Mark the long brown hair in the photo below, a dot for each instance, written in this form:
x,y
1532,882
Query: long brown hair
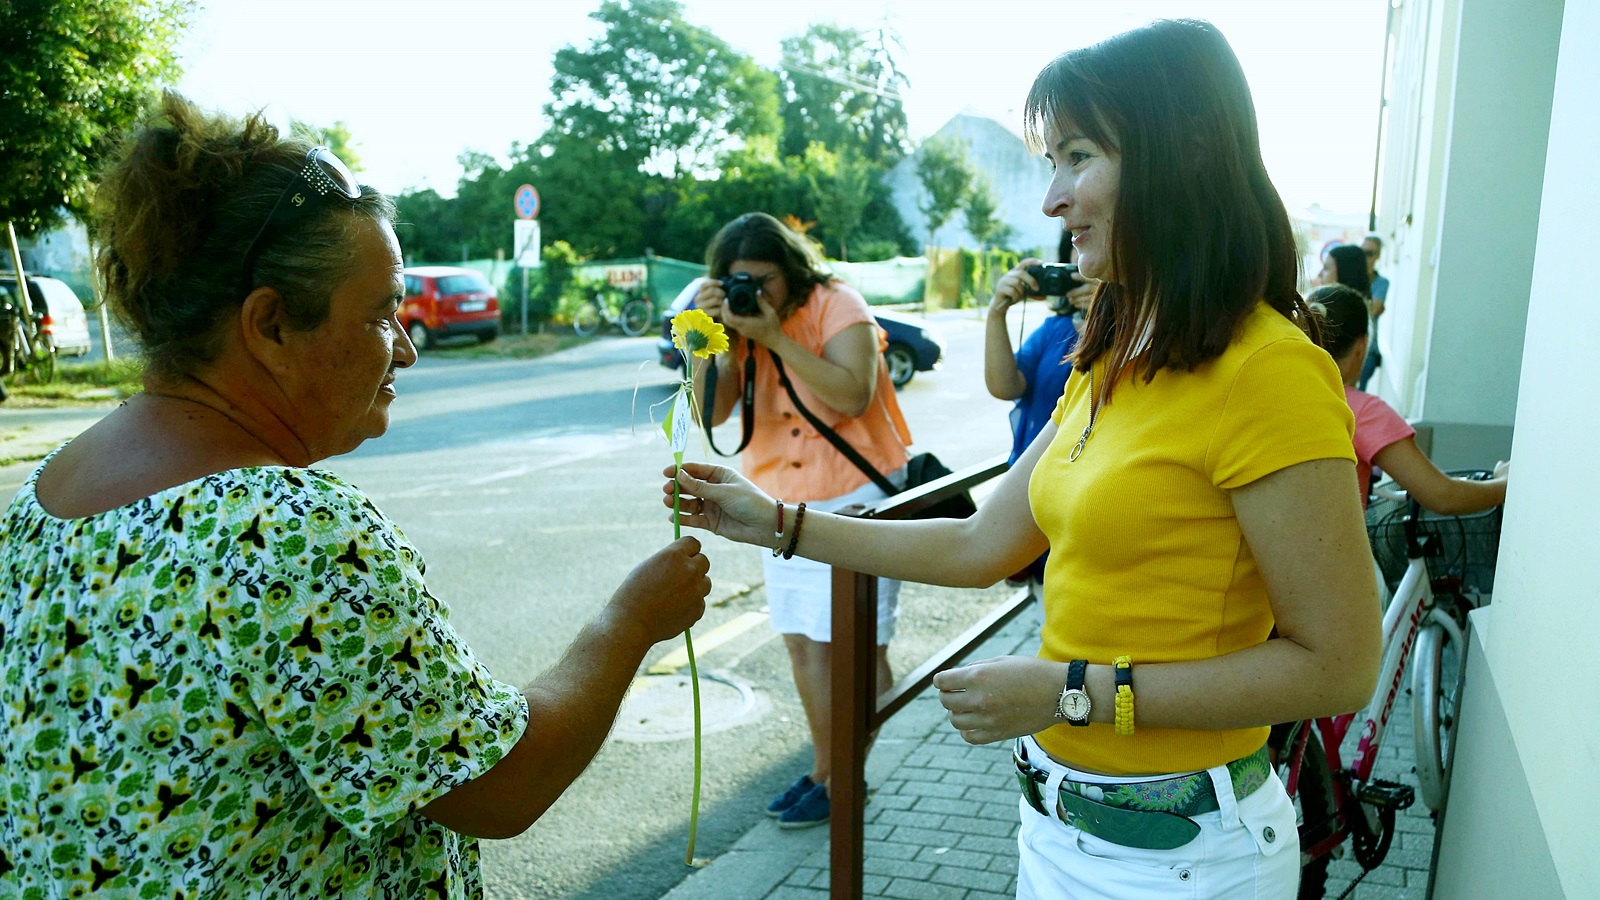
x,y
758,237
1350,264
1200,234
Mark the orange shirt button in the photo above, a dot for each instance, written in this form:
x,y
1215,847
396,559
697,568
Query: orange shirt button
x,y
795,432
788,415
795,464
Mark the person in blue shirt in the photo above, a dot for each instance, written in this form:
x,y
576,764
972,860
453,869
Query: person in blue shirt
x,y
1372,246
1035,375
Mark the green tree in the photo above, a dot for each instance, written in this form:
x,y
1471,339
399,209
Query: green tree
x,y
658,91
752,178
593,197
484,201
427,226
946,176
982,212
985,226
841,88
842,186
812,188
73,75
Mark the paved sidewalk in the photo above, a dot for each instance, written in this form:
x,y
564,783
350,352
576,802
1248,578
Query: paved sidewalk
x,y
942,819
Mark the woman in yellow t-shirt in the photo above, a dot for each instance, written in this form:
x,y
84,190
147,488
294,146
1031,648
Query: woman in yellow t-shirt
x,y
1209,572
785,310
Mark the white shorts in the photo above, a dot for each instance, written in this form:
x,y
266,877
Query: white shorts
x,y
800,591
1248,849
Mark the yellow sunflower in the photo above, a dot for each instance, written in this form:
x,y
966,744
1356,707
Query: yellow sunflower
x,y
695,332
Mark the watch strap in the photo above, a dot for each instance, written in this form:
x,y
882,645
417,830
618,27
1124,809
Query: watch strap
x,y
1076,671
1124,717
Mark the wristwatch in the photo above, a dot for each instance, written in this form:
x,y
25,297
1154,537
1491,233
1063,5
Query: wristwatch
x,y
1074,704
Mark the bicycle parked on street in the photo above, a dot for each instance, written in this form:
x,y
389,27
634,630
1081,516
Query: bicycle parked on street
x,y
1424,629
26,351
630,312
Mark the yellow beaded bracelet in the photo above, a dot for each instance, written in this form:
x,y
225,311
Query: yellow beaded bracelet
x,y
1124,667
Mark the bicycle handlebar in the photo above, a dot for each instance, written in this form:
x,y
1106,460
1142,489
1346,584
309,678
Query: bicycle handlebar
x,y
1415,543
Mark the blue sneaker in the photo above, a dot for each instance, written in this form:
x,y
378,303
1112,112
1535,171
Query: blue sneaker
x,y
791,796
811,809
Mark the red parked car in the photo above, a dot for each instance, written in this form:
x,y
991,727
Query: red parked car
x,y
443,301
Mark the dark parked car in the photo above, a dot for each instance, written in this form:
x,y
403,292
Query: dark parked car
x,y
913,346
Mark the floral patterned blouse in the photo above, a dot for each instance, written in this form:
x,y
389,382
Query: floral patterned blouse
x,y
237,687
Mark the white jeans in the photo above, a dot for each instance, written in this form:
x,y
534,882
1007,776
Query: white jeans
x,y
1246,849
800,591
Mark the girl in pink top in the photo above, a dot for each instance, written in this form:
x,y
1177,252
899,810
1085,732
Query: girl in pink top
x,y
1383,439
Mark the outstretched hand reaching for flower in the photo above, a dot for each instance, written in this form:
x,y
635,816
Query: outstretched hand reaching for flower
x,y
721,501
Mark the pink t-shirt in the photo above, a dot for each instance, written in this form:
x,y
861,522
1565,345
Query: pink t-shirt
x,y
1377,426
787,457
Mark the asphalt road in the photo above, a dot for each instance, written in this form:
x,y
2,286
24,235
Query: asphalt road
x,y
531,488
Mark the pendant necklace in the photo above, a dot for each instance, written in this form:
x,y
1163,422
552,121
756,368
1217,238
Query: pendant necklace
x,y
1094,410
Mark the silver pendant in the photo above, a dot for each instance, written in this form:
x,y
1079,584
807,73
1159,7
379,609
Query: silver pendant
x,y
1078,447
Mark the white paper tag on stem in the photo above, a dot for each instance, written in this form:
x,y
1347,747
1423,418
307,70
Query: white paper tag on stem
x,y
682,424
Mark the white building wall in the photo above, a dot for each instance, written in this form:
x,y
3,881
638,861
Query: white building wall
x,y
1424,44
1536,673
1489,214
1460,217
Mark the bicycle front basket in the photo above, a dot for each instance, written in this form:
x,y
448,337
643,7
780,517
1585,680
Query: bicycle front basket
x,y
1469,546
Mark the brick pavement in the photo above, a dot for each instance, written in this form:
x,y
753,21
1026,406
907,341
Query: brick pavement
x,y
942,820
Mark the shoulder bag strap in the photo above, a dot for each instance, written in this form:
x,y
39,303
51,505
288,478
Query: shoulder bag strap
x,y
747,402
833,437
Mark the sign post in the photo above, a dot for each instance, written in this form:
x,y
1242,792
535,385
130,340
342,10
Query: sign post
x,y
525,239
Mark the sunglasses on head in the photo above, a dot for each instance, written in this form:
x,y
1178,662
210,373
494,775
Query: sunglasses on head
x,y
323,175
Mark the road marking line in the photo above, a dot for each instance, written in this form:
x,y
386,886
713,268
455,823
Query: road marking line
x,y
512,472
708,642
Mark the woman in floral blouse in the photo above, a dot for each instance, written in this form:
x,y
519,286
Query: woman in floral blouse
x,y
224,674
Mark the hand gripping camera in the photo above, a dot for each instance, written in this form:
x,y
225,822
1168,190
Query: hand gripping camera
x,y
1055,279
741,291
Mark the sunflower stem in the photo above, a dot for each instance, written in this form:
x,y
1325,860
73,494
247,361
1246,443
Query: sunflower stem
x,y
694,684
694,804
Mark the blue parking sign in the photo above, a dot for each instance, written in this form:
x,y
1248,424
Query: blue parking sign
x,y
527,202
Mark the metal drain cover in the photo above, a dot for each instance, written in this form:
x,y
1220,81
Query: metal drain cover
x,y
661,707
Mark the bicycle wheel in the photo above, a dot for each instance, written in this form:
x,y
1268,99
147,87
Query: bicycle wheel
x,y
586,321
42,368
636,316
1314,806
1438,664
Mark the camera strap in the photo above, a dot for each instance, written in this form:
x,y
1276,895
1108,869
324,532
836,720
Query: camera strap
x,y
747,412
833,437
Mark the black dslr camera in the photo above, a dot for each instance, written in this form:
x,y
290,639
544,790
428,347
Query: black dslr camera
x,y
741,290
1055,279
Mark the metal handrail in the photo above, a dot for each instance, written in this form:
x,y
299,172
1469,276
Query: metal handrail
x,y
857,712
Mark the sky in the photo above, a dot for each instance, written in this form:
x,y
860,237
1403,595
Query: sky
x,y
419,81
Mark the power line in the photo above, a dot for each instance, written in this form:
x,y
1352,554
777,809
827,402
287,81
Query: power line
x,y
791,61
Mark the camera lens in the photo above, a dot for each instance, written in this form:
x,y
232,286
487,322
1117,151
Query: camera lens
x,y
741,292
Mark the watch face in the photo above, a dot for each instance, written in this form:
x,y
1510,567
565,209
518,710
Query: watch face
x,y
1075,704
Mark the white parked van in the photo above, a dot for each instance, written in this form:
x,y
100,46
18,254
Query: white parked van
x,y
65,320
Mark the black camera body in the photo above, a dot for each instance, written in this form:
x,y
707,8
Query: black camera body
x,y
1055,279
741,291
